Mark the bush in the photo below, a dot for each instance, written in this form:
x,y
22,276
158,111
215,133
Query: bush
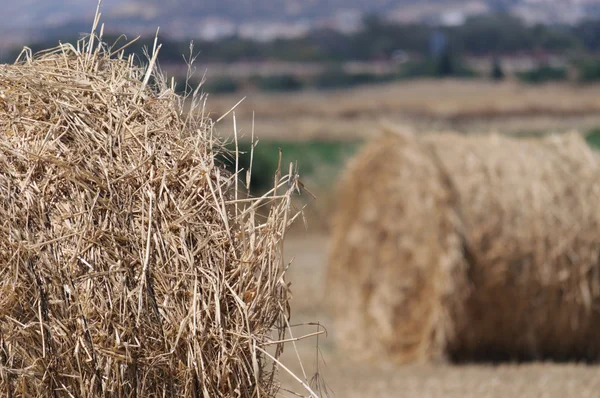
x,y
337,77
444,66
593,138
543,74
589,71
416,69
221,85
279,83
497,71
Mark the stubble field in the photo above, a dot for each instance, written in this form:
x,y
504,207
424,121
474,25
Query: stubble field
x,y
349,378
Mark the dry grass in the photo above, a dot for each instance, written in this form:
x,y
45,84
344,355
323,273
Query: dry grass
x,y
468,106
434,98
466,248
130,267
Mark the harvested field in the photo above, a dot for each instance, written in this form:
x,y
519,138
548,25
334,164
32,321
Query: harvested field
x,y
130,267
423,105
447,246
349,378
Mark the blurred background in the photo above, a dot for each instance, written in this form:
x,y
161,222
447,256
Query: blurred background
x,y
319,78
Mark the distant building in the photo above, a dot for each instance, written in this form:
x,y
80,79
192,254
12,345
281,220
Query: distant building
x,y
215,28
453,18
267,31
400,56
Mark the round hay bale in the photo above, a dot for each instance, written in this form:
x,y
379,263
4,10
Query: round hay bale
x,y
457,247
128,267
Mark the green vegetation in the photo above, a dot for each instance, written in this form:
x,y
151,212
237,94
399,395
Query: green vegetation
x,y
278,83
446,65
379,39
593,138
543,74
589,70
336,77
505,34
318,161
497,70
221,85
431,51
428,51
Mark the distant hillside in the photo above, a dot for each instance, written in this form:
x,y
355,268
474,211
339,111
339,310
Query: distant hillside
x,y
51,11
28,20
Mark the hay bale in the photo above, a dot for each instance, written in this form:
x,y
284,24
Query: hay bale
x,y
469,248
128,267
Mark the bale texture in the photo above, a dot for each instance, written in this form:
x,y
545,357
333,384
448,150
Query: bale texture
x,y
127,267
452,247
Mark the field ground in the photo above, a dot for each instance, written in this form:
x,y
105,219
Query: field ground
x,y
425,105
348,379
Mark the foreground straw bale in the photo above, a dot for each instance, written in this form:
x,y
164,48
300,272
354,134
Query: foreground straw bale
x,y
468,248
127,267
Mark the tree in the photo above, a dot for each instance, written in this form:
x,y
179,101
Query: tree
x,y
445,64
497,71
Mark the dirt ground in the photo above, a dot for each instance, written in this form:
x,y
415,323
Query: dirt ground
x,y
349,379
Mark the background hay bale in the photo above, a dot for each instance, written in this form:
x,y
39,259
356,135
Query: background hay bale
x,y
469,247
128,268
